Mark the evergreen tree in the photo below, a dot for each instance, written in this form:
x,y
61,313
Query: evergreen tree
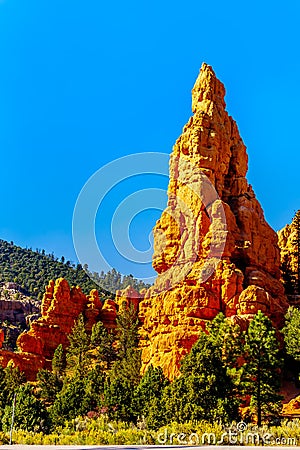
x,y
117,399
291,332
50,385
2,388
204,390
59,362
77,356
261,371
30,413
13,379
226,336
95,386
147,397
128,364
102,341
125,373
73,400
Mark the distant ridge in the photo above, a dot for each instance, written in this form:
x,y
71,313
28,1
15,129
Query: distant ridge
x,y
32,271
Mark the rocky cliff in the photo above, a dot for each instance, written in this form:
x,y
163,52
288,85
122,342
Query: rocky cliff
x,y
288,239
61,306
213,249
16,305
213,252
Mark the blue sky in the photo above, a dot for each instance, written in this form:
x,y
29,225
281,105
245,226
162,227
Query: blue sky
x,y
85,82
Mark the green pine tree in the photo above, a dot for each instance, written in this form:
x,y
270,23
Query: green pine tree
x,y
117,399
128,364
59,362
30,413
96,378
204,390
261,371
2,389
13,379
102,341
291,332
125,373
73,400
147,398
77,355
49,384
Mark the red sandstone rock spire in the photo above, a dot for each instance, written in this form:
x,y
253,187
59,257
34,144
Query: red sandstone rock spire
x,y
245,256
61,306
213,251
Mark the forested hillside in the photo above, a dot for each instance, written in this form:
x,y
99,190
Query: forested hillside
x,y
32,270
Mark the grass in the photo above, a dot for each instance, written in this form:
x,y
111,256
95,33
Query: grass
x,y
100,431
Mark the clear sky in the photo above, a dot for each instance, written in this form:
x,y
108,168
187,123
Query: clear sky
x,y
85,82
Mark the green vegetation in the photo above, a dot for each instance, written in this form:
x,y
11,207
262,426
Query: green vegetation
x,y
94,390
101,431
33,270
113,280
205,390
127,366
59,362
291,333
262,368
30,413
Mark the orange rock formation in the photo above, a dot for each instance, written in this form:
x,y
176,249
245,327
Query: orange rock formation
x,y
127,297
213,249
60,309
287,238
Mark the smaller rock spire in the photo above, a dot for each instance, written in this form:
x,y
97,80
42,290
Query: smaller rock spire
x,y
207,87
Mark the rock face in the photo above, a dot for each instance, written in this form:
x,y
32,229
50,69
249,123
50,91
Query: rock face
x,y
292,408
213,249
15,305
289,252
61,306
286,241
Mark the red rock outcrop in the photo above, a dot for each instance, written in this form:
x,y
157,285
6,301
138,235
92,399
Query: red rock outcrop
x,y
288,238
15,306
28,363
292,408
109,314
213,249
61,306
128,297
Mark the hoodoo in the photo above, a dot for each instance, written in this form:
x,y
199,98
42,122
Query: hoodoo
x,y
61,306
213,249
213,252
